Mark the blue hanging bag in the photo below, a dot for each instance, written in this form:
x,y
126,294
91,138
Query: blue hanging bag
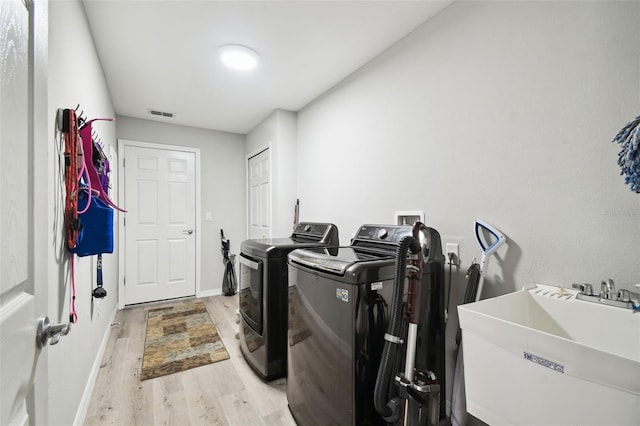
x,y
96,226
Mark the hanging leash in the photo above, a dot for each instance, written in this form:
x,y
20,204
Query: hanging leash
x,y
85,188
72,224
73,316
94,179
70,130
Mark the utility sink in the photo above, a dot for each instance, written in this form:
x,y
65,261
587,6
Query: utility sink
x,y
542,357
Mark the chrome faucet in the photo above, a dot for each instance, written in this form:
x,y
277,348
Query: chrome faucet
x,y
622,298
608,290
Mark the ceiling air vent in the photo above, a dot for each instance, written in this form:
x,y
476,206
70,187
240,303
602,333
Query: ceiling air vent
x,y
161,113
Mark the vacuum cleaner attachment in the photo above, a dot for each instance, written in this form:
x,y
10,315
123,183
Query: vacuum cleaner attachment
x,y
229,281
414,395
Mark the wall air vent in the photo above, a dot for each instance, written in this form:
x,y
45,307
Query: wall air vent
x,y
161,113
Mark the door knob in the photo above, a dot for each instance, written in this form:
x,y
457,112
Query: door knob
x,y
47,331
187,231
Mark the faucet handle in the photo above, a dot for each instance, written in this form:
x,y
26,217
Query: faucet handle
x,y
624,295
585,288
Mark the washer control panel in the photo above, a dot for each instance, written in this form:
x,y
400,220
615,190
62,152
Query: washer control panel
x,y
384,234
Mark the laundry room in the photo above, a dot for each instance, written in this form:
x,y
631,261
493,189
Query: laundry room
x,y
498,113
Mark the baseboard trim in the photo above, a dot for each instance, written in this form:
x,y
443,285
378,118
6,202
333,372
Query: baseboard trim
x,y
207,293
93,375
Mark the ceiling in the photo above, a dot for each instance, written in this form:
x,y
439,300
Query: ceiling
x,y
161,54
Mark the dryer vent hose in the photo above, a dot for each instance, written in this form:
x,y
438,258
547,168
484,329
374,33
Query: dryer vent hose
x,y
386,398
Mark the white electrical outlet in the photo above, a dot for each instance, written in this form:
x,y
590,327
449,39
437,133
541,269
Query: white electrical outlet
x,y
454,249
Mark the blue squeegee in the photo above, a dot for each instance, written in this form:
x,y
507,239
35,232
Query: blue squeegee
x,y
629,156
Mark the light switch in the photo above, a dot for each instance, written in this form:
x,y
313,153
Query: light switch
x,y
208,216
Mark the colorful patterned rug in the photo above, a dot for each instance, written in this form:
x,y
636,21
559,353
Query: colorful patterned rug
x,y
178,338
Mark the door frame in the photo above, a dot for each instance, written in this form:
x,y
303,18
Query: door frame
x,y
122,143
250,155
42,214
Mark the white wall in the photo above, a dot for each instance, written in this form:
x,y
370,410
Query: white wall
x,y
503,111
75,77
278,132
222,158
285,173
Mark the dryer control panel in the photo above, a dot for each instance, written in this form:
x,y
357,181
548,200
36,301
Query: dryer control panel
x,y
325,233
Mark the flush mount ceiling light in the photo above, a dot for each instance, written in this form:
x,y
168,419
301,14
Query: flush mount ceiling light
x,y
238,57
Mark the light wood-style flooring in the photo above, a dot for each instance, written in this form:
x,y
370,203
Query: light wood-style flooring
x,y
224,393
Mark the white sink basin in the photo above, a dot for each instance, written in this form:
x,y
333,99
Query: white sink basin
x,y
542,357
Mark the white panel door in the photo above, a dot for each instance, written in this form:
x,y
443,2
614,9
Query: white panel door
x,y
23,263
259,195
160,243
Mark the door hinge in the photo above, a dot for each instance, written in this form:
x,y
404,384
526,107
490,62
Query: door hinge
x,y
124,280
123,162
124,221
